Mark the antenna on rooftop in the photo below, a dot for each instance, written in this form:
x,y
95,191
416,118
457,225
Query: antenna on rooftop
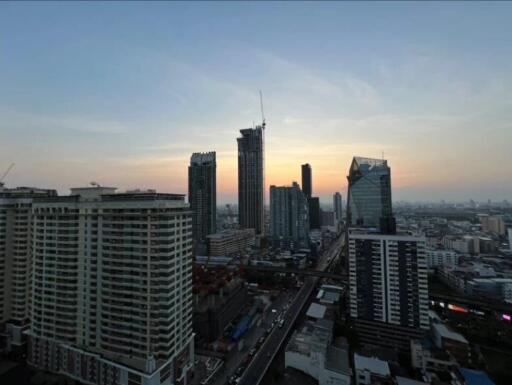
x,y
262,112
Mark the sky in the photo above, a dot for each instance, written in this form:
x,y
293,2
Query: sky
x,y
122,93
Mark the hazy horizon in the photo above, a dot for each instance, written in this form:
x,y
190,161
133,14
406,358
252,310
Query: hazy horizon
x,y
124,93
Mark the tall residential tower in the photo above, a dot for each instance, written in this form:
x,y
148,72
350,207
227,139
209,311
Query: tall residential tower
x,y
251,214
112,287
15,263
202,194
388,287
289,215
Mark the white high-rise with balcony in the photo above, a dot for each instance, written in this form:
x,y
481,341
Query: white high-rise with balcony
x,y
112,287
15,230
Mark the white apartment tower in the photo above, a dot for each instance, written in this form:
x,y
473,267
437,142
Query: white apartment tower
x,y
112,287
15,232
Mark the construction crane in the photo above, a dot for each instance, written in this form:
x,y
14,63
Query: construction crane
x,y
262,112
5,174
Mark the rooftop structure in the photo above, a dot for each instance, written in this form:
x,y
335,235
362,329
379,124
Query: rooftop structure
x,y
311,351
367,369
316,310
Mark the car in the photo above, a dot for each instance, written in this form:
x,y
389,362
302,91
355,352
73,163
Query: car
x,y
252,352
240,370
261,340
281,323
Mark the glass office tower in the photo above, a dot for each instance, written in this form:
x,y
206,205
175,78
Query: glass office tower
x,y
369,194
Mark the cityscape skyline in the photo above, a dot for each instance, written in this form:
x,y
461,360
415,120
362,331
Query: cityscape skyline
x,y
125,103
153,230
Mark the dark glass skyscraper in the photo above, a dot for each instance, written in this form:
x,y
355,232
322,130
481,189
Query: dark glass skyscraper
x,y
250,179
202,194
369,194
306,180
314,213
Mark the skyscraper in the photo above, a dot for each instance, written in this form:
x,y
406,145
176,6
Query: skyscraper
x,y
369,194
202,194
112,286
315,217
251,178
306,180
313,202
15,261
337,207
289,218
388,287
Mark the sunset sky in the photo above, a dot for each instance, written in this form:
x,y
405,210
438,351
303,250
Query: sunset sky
x,y
123,93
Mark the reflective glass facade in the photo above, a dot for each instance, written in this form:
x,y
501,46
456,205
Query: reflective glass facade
x,y
369,195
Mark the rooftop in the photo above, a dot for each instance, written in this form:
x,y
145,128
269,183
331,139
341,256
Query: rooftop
x,y
316,310
337,360
475,377
372,364
408,381
200,158
447,333
314,336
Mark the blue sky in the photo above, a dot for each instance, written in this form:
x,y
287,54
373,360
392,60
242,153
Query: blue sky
x,y
123,93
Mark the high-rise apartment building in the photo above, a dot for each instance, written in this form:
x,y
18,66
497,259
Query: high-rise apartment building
x,y
202,194
315,216
251,214
289,215
112,286
306,180
369,194
337,207
388,286
15,262
492,223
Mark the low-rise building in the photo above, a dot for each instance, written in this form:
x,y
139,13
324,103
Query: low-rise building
x,y
441,257
230,242
370,370
311,351
500,288
426,357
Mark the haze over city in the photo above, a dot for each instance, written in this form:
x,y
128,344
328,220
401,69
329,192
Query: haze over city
x,y
122,94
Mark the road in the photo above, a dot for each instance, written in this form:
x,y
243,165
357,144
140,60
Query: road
x,y
236,357
261,362
278,269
